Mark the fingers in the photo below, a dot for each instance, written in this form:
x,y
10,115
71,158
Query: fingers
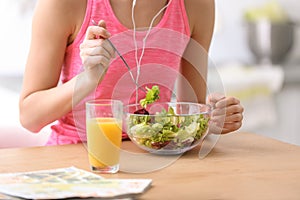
x,y
214,98
94,32
230,127
95,49
93,54
222,127
91,47
238,117
102,24
226,102
227,114
231,109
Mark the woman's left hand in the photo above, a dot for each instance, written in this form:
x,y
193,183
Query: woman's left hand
x,y
227,114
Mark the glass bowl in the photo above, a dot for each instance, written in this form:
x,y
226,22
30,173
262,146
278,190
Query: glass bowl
x,y
168,128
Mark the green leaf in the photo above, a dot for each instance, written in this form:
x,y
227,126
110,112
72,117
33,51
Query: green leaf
x,y
151,96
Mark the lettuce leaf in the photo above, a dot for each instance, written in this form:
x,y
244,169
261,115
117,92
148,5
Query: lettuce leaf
x,y
151,96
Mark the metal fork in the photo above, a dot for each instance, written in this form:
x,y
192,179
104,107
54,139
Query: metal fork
x,y
124,61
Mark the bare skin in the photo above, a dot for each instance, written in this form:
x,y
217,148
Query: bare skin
x,y
55,26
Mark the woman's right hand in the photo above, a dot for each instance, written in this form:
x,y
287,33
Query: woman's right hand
x,y
96,52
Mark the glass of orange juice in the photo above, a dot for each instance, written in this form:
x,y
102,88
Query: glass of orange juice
x,y
104,134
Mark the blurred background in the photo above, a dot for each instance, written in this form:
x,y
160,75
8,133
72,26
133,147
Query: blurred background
x,y
255,55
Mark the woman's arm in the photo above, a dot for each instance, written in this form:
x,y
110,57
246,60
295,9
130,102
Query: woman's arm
x,y
55,25
192,85
41,102
227,115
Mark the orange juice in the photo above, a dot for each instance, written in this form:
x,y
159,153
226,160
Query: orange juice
x,y
104,136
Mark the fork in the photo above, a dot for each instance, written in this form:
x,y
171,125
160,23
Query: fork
x,y
124,61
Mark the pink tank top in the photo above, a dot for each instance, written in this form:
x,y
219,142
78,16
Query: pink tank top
x,y
164,48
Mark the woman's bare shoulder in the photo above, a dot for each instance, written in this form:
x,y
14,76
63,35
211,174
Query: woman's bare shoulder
x,y
62,14
199,4
198,9
201,14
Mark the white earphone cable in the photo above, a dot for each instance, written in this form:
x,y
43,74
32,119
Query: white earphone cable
x,y
139,60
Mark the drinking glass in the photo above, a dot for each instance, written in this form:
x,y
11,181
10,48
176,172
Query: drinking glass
x,y
104,134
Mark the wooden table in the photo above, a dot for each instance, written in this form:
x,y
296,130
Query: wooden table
x,y
241,166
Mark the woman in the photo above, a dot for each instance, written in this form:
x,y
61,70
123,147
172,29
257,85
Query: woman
x,y
70,57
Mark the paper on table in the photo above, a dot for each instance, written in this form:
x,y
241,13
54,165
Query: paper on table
x,y
68,183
